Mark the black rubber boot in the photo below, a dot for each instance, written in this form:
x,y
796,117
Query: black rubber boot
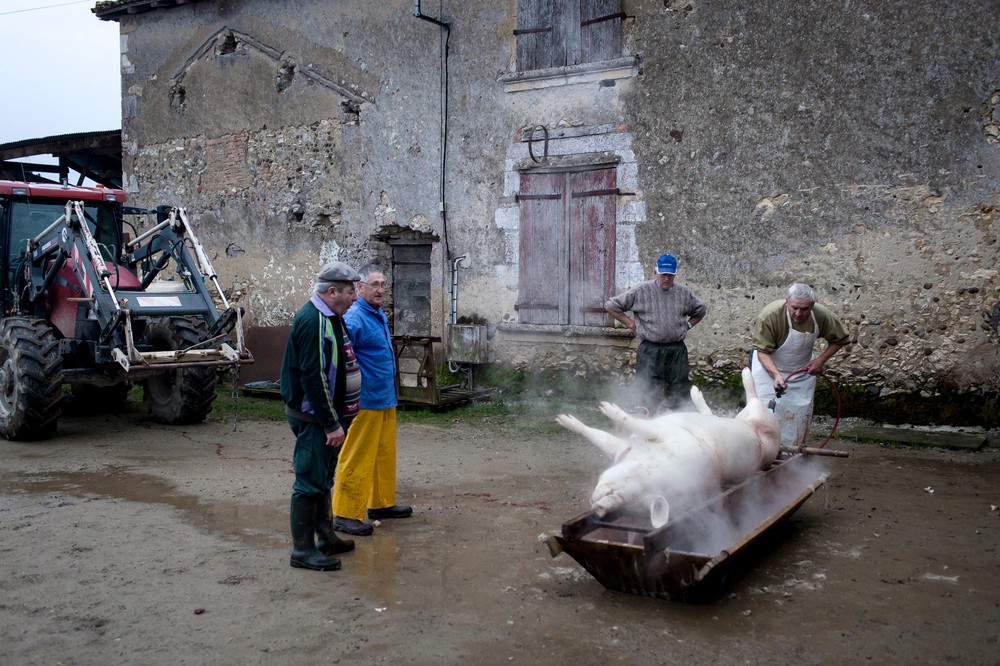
x,y
327,541
304,552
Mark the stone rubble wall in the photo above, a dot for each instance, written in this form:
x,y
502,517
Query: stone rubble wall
x,y
264,205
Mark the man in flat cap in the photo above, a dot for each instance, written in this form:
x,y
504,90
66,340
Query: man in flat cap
x,y
321,387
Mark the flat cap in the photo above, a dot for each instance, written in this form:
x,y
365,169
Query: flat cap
x,y
337,271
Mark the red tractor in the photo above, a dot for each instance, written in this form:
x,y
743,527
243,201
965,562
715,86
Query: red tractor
x,y
89,303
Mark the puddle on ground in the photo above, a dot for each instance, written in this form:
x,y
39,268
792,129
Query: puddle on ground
x,y
374,566
247,524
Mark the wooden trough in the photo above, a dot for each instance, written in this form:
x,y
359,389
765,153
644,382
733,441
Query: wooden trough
x,y
690,557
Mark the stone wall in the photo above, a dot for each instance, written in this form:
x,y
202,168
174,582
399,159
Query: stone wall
x,y
845,146
853,146
263,202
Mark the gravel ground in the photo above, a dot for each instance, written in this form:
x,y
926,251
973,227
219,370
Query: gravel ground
x,y
124,542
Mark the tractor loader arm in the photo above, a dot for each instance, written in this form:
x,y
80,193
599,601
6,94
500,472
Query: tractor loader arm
x,y
69,241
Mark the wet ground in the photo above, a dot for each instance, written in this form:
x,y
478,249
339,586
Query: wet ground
x,y
125,542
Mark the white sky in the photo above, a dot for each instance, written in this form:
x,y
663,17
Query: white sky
x,y
60,69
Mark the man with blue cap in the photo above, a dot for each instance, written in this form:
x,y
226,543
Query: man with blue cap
x,y
662,314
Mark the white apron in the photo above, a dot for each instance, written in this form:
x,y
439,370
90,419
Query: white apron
x,y
794,408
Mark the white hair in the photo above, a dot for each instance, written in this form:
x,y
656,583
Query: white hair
x,y
800,290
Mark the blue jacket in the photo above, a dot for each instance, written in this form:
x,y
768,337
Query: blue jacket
x,y
368,329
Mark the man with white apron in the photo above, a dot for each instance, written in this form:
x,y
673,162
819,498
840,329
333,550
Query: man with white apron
x,y
783,339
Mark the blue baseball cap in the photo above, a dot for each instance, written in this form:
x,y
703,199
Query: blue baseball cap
x,y
666,264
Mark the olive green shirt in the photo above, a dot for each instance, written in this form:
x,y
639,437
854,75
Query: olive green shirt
x,y
771,327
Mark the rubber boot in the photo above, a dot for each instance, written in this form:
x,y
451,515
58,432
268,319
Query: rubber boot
x,y
327,540
304,552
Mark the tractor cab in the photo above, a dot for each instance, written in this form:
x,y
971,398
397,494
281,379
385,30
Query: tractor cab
x,y
28,209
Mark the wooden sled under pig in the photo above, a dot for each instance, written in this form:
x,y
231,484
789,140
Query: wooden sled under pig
x,y
692,556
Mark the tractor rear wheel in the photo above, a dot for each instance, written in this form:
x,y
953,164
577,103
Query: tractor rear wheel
x,y
184,395
30,379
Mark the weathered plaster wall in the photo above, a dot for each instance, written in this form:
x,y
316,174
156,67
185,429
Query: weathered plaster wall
x,y
842,144
851,145
292,133
257,201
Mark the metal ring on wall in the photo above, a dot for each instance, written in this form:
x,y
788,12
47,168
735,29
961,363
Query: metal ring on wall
x,y
531,141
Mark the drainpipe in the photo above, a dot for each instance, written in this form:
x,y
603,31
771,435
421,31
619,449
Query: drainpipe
x,y
464,262
444,120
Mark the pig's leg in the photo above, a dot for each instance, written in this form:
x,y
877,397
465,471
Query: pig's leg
x,y
699,401
613,447
764,424
614,412
641,427
755,406
749,386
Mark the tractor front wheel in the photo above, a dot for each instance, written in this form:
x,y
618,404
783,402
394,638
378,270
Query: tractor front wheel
x,y
30,379
184,395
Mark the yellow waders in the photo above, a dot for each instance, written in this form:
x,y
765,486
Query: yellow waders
x,y
366,470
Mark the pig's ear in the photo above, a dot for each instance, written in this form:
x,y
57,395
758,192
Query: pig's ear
x,y
659,511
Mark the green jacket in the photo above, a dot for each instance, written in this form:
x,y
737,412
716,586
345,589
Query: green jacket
x,y
314,346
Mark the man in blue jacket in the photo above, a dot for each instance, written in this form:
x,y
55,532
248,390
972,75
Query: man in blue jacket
x,y
366,471
320,384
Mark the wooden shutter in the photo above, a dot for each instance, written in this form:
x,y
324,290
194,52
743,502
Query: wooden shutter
x,y
411,289
556,33
540,42
593,204
542,276
600,30
567,247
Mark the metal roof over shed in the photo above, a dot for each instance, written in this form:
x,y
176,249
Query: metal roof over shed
x,y
94,155
115,9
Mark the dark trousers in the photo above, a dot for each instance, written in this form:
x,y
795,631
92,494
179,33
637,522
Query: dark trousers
x,y
313,461
663,368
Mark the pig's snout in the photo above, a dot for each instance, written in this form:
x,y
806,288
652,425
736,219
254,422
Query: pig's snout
x,y
604,500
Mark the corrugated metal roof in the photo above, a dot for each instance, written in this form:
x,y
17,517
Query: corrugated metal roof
x,y
93,155
57,138
112,10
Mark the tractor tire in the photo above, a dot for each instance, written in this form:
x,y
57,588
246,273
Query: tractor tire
x,y
184,395
30,379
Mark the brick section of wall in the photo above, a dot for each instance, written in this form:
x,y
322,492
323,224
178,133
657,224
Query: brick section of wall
x,y
225,165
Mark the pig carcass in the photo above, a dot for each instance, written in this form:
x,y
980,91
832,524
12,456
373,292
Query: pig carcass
x,y
679,458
